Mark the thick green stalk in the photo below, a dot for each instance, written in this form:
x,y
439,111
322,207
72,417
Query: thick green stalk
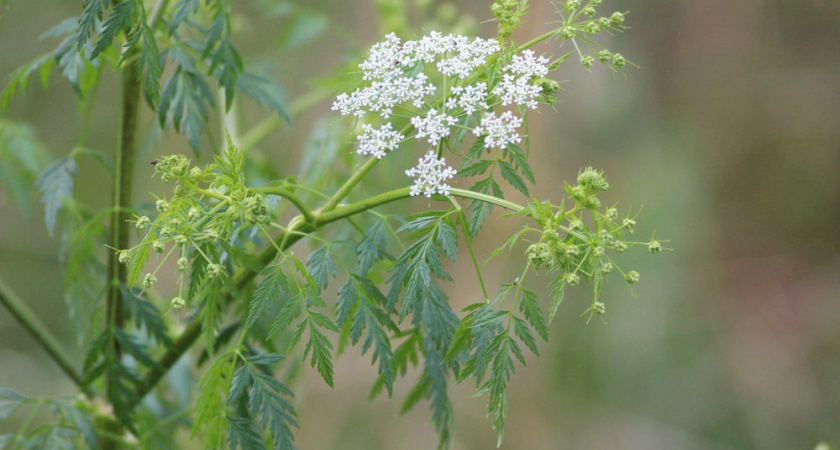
x,y
41,333
292,198
295,232
121,200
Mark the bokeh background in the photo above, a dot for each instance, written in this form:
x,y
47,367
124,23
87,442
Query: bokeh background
x,y
728,134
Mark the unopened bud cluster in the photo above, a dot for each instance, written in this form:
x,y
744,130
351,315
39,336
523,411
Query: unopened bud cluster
x,y
579,244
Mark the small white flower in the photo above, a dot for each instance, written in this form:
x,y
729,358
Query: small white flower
x,y
430,176
500,130
377,141
384,60
470,98
435,126
527,65
468,55
518,90
382,96
516,86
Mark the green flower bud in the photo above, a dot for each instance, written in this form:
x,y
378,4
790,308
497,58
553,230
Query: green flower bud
x,y
214,270
589,11
619,61
612,214
617,19
604,56
255,209
142,222
606,238
607,267
578,193
193,214
596,2
598,308
572,250
620,246
183,263
572,279
592,180
587,61
568,33
632,277
149,281
124,257
592,202
162,206
572,5
654,246
181,240
592,28
159,246
195,175
598,251
576,225
172,168
629,224
604,22
179,303
539,254
548,89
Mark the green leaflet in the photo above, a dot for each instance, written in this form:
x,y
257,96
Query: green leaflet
x,y
55,184
22,158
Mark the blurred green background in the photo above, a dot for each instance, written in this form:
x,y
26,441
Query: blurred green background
x,y
728,134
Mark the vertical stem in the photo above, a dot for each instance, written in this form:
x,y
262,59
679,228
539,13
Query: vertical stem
x,y
121,196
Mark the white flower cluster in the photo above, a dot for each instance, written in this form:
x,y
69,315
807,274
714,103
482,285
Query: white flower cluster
x,y
435,126
383,96
393,81
430,176
389,59
376,141
516,86
469,98
500,130
468,55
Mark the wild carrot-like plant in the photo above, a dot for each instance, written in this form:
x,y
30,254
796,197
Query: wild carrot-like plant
x,y
246,298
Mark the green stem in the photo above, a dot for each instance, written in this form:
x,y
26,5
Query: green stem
x,y
292,198
41,333
348,186
123,171
468,239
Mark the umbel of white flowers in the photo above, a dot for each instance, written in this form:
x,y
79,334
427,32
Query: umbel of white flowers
x,y
392,81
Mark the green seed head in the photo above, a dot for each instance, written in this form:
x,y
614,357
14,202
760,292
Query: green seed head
x,y
172,167
179,303
655,246
149,281
632,277
539,254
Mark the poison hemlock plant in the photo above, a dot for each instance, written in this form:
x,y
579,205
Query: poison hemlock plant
x,y
458,105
